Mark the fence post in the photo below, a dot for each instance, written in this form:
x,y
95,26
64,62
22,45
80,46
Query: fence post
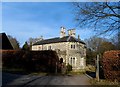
x,y
97,70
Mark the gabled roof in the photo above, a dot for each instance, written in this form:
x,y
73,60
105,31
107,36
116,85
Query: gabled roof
x,y
58,39
4,42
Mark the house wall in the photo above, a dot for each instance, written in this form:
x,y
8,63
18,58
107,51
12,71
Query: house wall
x,y
60,48
74,56
77,55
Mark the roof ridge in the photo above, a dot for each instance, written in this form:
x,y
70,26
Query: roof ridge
x,y
57,39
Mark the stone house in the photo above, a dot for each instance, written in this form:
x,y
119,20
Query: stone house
x,y
69,49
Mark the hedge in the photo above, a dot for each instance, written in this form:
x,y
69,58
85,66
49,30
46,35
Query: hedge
x,y
30,60
111,65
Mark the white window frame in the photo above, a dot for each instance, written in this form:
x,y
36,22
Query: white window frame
x,y
72,61
49,47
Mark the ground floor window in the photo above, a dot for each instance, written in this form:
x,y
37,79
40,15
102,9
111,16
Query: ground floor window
x,y
49,47
72,61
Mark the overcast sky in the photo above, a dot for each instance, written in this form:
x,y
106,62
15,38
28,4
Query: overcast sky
x,y
23,20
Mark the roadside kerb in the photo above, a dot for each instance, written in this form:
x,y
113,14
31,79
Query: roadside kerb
x,y
89,76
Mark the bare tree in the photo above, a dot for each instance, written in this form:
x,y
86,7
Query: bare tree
x,y
103,17
99,45
31,40
14,42
116,41
34,40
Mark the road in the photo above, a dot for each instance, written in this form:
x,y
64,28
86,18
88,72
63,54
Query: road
x,y
51,80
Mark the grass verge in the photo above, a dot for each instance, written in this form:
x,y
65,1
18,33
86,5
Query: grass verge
x,y
104,82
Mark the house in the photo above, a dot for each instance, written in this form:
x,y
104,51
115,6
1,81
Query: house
x,y
70,50
4,42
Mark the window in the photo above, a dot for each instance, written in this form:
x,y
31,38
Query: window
x,y
49,47
72,61
72,46
39,48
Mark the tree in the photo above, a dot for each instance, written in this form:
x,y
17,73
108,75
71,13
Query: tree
x,y
31,41
14,42
97,45
103,17
90,57
106,46
26,46
116,41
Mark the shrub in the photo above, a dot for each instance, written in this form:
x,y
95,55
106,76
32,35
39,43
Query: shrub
x,y
69,67
111,65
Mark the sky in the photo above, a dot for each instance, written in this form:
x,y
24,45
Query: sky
x,y
23,20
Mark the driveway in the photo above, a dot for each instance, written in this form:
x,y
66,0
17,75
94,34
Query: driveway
x,y
28,80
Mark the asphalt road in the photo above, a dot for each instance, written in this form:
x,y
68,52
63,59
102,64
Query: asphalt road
x,y
50,80
61,80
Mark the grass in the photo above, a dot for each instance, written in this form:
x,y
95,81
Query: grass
x,y
104,82
75,73
90,68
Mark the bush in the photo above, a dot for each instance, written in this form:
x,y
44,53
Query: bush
x,y
69,67
111,65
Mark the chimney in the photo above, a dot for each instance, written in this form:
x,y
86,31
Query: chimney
x,y
62,32
41,37
71,32
78,37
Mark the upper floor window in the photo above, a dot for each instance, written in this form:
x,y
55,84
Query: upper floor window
x,y
72,46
